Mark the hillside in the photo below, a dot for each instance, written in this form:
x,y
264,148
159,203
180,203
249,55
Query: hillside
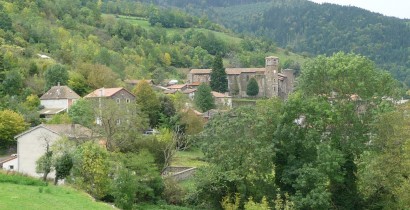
x,y
19,192
312,29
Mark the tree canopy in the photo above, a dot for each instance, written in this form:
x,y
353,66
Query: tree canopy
x,y
203,98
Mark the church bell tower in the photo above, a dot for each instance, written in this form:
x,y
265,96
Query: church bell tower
x,y
271,76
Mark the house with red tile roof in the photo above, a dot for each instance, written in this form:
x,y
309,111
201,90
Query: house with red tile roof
x,y
120,95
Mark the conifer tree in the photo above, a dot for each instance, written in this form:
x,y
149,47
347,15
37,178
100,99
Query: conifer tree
x,y
219,81
253,88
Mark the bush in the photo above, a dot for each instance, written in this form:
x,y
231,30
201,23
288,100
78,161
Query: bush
x,y
173,192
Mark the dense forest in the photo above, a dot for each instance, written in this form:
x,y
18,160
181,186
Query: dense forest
x,y
313,29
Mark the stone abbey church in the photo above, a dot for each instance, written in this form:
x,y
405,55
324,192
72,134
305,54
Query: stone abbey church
x,y
272,83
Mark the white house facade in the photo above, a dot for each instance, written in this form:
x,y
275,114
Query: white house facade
x,y
32,144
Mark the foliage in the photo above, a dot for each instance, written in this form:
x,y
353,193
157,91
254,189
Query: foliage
x,y
239,158
252,89
61,118
56,74
203,98
329,127
121,124
251,205
124,189
383,171
44,164
91,169
149,182
62,166
13,83
81,112
148,101
173,193
219,80
11,124
345,75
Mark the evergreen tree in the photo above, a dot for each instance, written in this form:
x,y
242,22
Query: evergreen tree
x,y
203,98
219,81
253,88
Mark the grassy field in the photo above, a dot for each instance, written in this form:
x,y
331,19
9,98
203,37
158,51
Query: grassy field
x,y
193,158
15,196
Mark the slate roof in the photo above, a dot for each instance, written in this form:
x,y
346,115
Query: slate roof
x,y
59,92
68,130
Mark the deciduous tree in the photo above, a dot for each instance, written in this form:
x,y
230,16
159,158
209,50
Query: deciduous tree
x,y
148,101
11,124
203,98
56,74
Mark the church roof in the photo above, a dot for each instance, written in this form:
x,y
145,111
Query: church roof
x,y
231,71
200,71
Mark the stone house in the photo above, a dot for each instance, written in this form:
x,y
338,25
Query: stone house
x,y
56,100
222,99
271,81
33,143
120,95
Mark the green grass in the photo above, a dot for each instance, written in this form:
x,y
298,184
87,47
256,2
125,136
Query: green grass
x,y
192,158
20,179
15,196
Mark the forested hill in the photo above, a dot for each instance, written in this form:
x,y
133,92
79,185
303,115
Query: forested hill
x,y
313,29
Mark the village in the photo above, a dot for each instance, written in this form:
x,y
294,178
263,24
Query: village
x,y
37,141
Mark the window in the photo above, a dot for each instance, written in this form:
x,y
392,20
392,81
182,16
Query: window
x,y
128,100
118,100
11,167
118,121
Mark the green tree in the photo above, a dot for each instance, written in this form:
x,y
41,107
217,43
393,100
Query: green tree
x,y
203,98
219,80
383,171
253,88
56,74
120,124
329,125
82,112
44,164
13,83
148,101
238,146
91,168
11,124
62,166
125,186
